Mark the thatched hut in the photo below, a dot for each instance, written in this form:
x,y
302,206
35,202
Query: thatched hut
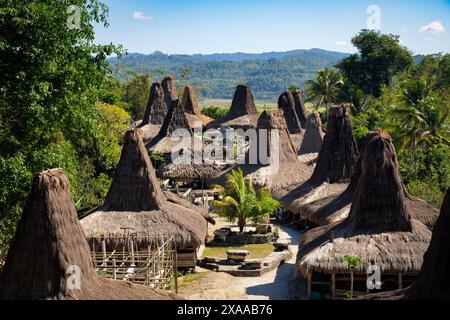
x,y
190,106
242,114
335,164
300,109
136,202
282,167
287,104
170,90
379,230
49,246
336,207
313,137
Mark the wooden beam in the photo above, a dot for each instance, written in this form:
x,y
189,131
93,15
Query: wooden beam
x,y
400,280
333,285
309,284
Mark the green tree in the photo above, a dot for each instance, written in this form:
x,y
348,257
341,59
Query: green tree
x,y
324,89
353,262
241,202
380,58
214,112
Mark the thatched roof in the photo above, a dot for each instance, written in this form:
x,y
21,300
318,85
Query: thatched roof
x,y
338,155
242,114
190,105
287,104
156,107
300,109
170,90
175,119
336,207
313,137
48,241
379,228
189,172
433,282
282,168
136,202
335,164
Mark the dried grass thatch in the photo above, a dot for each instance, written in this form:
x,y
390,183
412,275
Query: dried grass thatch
x,y
313,137
336,207
170,90
282,168
189,172
287,104
135,202
49,243
300,109
190,106
379,228
242,114
433,282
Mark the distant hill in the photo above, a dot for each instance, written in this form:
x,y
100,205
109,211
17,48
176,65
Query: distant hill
x,y
216,75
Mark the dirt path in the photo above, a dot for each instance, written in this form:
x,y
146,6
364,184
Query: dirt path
x,y
278,284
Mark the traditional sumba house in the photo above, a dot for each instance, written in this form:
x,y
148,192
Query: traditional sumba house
x,y
136,204
191,108
335,164
300,109
281,168
242,114
336,207
379,231
170,90
313,137
154,113
49,257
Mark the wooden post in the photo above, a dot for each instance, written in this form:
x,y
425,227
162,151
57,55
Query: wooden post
x,y
351,283
104,252
114,269
400,280
309,284
333,285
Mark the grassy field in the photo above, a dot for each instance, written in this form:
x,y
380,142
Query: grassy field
x,y
256,250
261,104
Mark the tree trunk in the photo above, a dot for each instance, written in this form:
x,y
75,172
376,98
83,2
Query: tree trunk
x,y
241,224
351,283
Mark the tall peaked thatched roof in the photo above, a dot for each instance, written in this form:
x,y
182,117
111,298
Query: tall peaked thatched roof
x,y
282,168
336,207
170,90
192,109
339,152
300,109
175,119
379,228
243,112
136,202
433,282
313,138
156,107
287,104
49,246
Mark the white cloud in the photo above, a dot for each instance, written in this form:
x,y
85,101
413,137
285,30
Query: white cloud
x,y
433,27
341,43
140,16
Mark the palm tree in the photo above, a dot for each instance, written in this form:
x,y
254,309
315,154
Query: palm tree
x,y
241,202
325,88
420,114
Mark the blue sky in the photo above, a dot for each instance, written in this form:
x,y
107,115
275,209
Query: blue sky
x,y
201,26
